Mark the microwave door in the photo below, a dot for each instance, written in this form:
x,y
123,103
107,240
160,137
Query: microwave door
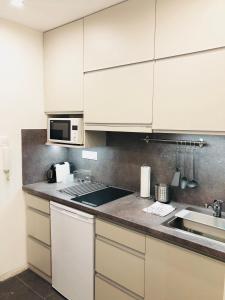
x,y
60,130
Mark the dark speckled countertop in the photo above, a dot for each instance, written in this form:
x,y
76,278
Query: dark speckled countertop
x,y
127,211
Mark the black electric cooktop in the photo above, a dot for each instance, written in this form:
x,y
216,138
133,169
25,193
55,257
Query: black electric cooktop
x,y
102,196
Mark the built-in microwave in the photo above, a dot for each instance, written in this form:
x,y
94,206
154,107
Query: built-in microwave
x,y
66,130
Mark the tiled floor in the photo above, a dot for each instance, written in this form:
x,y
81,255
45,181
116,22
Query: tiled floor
x,y
27,286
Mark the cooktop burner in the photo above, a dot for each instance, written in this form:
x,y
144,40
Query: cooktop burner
x,y
102,196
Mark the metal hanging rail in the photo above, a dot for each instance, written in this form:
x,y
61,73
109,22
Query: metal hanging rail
x,y
200,143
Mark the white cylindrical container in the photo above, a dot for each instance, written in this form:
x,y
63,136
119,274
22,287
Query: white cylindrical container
x,y
145,184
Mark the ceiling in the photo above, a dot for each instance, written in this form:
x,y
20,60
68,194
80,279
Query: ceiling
x,y
47,14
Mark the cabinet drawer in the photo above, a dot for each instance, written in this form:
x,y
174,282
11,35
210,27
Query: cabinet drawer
x,y
39,256
104,290
121,235
120,266
37,203
38,226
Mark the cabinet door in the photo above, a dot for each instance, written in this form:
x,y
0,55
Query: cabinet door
x,y
175,273
188,26
63,57
119,95
190,93
119,35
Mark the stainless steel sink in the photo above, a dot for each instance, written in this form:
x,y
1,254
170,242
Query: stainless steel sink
x,y
195,221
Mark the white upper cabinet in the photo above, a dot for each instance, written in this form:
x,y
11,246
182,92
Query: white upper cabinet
x,y
63,59
119,35
190,92
185,26
120,96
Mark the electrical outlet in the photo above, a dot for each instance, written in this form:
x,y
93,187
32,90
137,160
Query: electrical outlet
x,y
90,155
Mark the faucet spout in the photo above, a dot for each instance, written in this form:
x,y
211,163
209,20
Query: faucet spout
x,y
217,208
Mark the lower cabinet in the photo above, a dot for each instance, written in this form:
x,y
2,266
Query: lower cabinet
x,y
174,273
132,266
38,236
120,268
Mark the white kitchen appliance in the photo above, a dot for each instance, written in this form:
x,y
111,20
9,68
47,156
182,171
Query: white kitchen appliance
x,y
72,234
66,130
62,171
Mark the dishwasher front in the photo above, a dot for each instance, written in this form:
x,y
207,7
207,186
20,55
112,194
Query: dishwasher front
x,y
72,236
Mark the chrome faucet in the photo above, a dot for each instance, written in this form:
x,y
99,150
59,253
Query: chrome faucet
x,y
217,207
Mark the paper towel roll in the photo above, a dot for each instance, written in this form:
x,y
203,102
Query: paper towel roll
x,y
145,181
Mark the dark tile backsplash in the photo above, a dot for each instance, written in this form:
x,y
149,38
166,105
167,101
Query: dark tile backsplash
x,y
37,157
119,163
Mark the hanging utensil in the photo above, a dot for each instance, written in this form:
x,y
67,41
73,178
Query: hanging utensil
x,y
193,182
176,177
184,180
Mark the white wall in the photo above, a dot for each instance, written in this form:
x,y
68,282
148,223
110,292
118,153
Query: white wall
x,y
21,106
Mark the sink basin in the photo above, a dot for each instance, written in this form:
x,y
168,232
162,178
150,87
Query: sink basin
x,y
194,221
